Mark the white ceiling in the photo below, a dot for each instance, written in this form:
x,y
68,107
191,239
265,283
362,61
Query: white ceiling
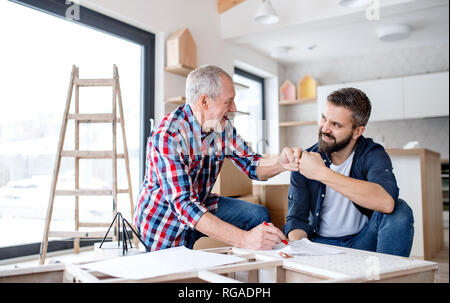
x,y
345,33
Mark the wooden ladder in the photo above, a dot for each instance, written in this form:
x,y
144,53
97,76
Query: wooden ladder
x,y
77,154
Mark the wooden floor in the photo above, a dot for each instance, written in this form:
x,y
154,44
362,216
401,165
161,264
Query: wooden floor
x,y
442,260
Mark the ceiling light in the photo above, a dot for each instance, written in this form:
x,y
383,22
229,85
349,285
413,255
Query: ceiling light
x,y
354,3
266,14
394,32
280,51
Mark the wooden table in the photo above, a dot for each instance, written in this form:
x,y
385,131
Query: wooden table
x,y
260,267
418,174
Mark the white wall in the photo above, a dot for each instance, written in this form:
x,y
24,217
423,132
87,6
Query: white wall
x,y
163,18
404,62
432,134
411,61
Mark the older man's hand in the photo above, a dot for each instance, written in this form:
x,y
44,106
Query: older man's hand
x,y
289,158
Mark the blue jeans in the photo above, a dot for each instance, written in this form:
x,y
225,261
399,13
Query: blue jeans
x,y
384,233
242,214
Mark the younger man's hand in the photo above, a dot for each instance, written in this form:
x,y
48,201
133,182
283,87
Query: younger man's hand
x,y
289,158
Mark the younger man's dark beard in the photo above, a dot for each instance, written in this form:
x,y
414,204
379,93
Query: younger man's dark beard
x,y
329,148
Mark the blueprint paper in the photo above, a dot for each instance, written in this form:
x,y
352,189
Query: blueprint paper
x,y
162,262
307,248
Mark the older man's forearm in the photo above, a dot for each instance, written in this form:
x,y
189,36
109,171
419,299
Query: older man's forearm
x,y
218,229
268,167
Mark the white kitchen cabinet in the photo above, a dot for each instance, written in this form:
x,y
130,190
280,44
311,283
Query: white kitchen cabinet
x,y
426,95
386,97
399,98
322,94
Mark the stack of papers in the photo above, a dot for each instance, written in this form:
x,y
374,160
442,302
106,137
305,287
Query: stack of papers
x,y
304,247
162,262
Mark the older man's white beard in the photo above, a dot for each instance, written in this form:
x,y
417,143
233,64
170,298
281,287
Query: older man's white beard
x,y
219,125
215,125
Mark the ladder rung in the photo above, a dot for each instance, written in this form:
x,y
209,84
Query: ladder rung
x,y
98,228
93,224
89,192
93,118
95,82
78,234
89,154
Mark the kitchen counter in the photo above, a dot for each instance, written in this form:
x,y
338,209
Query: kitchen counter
x,y
418,174
414,151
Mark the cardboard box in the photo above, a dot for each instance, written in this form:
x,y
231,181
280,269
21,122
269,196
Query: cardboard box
x,y
275,198
272,196
278,218
232,182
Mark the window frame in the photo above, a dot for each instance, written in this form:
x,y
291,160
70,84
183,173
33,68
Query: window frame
x,y
261,80
105,24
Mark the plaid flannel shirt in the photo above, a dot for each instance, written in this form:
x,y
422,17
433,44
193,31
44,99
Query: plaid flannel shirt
x,y
182,165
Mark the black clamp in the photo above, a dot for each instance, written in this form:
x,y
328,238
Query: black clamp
x,y
125,236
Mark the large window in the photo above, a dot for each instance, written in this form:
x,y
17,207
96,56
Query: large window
x,y
250,119
41,40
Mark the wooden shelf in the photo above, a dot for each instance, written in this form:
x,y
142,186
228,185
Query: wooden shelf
x,y
179,69
241,113
298,101
240,86
297,123
176,100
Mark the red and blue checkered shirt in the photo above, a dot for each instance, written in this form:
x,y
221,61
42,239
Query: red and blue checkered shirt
x,y
182,165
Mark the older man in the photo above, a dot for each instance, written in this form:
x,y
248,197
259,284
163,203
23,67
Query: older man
x,y
184,155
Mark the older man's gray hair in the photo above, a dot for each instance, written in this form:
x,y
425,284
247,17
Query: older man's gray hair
x,y
206,80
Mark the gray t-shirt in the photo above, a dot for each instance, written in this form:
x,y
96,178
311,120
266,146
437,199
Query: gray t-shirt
x,y
339,216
